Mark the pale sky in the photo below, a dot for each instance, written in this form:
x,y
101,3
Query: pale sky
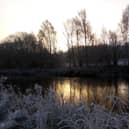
x,y
27,15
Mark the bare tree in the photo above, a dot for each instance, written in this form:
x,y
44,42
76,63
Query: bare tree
x,y
125,25
113,42
78,36
22,40
104,36
68,33
84,23
80,33
86,29
47,35
92,39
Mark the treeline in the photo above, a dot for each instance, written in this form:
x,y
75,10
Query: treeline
x,y
26,50
84,48
22,50
100,55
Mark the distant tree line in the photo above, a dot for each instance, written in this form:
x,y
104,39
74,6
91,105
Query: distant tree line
x,y
85,49
26,50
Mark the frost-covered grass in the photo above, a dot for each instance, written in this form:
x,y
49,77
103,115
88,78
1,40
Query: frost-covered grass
x,y
33,111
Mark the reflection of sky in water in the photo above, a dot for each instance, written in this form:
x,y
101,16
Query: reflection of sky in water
x,y
69,92
74,90
86,90
123,89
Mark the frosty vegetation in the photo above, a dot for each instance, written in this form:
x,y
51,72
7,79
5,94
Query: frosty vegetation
x,y
33,111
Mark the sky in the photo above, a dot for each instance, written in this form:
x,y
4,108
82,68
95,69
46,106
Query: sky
x,y
27,15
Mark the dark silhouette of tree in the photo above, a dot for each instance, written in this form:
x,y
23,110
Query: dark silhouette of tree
x,y
22,50
92,39
113,42
124,26
22,40
78,37
69,32
47,35
86,29
79,34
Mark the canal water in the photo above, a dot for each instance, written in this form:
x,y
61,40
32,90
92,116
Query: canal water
x,y
75,90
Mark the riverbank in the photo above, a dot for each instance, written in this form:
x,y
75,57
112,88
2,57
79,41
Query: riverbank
x,y
94,72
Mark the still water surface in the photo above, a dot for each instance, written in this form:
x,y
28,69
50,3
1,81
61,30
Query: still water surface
x,y
87,90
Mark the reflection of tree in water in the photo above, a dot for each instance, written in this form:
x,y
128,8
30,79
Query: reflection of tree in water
x,y
116,87
87,90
